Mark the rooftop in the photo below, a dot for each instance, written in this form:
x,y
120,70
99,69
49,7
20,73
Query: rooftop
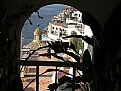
x,y
58,24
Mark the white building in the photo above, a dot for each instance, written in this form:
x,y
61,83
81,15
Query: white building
x,y
77,15
58,28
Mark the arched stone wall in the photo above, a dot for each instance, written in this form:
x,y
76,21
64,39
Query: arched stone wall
x,y
16,13
99,9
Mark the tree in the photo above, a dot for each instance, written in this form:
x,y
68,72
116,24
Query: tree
x,y
77,43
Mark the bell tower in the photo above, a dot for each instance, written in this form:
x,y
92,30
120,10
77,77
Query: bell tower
x,y
37,35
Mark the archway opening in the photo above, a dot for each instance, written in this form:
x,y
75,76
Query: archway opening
x,y
53,23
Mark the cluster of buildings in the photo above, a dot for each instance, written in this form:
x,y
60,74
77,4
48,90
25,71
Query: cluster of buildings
x,y
67,22
64,24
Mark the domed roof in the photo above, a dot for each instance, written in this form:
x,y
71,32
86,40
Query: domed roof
x,y
37,31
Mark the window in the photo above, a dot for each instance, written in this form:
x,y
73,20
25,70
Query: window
x,y
52,32
75,14
79,15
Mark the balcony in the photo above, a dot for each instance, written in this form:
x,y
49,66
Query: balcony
x,y
37,65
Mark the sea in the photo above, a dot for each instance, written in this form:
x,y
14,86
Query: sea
x,y
46,13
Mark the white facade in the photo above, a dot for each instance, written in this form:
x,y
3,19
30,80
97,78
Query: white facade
x,y
70,21
54,32
77,14
57,30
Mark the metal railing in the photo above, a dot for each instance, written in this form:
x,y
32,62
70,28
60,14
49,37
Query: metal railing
x,y
46,63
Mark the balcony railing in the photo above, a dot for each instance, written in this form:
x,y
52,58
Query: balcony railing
x,y
47,63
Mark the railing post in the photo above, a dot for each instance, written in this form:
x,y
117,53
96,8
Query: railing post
x,y
37,78
74,74
56,75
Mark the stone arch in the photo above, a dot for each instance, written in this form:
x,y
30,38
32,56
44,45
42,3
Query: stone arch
x,y
100,9
96,27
